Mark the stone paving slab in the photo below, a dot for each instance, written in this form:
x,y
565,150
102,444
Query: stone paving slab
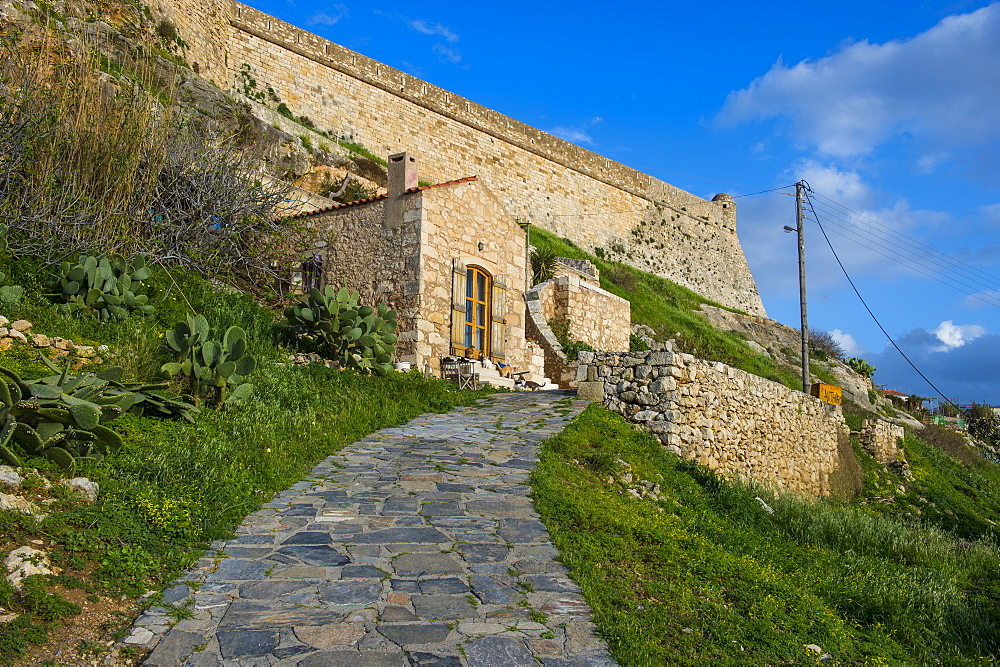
x,y
417,545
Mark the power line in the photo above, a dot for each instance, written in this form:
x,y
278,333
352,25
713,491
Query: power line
x,y
865,304
943,268
908,240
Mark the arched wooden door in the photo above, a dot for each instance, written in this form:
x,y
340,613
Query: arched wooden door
x,y
477,311
478,318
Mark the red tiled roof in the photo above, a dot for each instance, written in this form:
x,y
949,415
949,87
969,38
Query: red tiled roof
x,y
334,207
893,392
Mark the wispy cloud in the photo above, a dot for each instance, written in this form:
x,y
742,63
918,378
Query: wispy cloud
x,y
329,19
445,48
578,134
447,55
933,87
426,28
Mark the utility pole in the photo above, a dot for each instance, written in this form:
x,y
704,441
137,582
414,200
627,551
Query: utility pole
x,y
800,220
800,229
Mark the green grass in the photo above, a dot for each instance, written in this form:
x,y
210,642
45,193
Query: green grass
x,y
705,574
670,310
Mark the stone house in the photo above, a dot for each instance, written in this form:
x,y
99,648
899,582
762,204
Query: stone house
x,y
447,257
453,263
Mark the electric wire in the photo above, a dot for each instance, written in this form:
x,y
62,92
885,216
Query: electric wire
x,y
915,250
907,239
807,191
964,288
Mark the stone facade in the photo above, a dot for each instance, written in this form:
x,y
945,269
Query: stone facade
x,y
595,316
410,249
881,439
738,424
538,177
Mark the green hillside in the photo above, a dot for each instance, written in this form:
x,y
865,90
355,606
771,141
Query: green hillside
x,y
703,572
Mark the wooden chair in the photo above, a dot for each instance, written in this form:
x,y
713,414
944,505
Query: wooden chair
x,y
467,376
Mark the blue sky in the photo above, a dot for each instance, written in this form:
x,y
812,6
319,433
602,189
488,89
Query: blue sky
x,y
890,110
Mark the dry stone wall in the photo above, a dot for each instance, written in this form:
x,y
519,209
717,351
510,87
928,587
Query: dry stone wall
x,y
881,439
738,424
540,178
597,317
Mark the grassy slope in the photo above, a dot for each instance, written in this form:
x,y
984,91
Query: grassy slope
x,y
175,486
705,573
670,310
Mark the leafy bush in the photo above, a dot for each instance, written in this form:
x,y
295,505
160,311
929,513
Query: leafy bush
x,y
860,366
823,346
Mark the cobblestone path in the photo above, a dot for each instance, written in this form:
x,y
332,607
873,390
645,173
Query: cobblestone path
x,y
417,545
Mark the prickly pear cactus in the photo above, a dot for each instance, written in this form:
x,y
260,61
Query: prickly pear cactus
x,y
333,324
214,369
104,287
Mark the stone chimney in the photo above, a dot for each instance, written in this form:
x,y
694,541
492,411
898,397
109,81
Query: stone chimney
x,y
402,177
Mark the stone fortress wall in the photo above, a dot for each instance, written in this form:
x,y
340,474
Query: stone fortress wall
x,y
573,192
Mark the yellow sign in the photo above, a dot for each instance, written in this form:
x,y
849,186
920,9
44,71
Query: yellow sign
x,y
828,393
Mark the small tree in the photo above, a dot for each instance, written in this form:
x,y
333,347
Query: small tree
x,y
823,346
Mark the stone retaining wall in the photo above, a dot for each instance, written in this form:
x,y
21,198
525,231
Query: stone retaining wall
x,y
881,439
735,423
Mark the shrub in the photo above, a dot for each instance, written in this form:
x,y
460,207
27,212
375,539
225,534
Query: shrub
x,y
823,346
102,287
860,366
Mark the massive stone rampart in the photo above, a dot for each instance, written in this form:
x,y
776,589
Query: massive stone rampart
x,y
576,193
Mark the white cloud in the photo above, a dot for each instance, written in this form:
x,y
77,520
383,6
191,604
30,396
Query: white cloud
x,y
956,335
847,343
577,134
329,19
448,55
937,87
437,29
572,135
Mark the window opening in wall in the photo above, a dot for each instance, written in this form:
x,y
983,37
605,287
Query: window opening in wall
x,y
477,312
312,273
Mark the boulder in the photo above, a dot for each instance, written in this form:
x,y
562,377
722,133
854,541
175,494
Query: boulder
x,y
84,487
25,562
9,477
